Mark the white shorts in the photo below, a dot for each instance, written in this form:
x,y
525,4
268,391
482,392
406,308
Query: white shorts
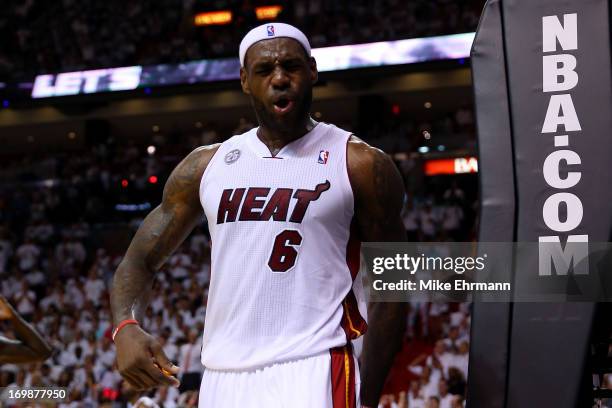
x,y
327,380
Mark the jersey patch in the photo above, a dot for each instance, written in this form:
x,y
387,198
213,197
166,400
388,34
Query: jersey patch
x,y
323,156
232,156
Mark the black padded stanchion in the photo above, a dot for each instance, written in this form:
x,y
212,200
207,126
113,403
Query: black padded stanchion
x,y
542,90
488,357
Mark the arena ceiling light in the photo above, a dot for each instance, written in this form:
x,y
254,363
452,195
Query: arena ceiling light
x,y
220,17
268,12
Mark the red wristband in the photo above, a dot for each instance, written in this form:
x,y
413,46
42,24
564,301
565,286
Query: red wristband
x,y
122,325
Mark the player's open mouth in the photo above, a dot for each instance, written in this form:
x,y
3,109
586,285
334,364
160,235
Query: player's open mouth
x,y
283,105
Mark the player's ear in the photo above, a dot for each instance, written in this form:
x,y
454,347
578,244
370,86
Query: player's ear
x,y
314,73
244,81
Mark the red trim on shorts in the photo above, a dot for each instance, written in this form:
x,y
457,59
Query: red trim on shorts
x,y
351,378
343,377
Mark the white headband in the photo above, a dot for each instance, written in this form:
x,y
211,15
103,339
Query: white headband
x,y
269,31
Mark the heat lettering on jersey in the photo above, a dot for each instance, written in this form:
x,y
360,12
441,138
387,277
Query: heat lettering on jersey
x,y
253,204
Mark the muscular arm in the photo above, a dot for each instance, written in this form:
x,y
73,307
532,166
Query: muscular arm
x,y
379,191
162,231
29,346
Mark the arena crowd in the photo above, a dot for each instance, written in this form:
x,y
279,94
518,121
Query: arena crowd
x,y
69,35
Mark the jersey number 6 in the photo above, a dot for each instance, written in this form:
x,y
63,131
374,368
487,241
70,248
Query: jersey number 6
x,y
284,253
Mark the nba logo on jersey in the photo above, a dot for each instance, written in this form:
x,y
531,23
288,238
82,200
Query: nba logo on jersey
x,y
270,29
323,155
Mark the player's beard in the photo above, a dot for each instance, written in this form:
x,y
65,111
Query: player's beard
x,y
292,121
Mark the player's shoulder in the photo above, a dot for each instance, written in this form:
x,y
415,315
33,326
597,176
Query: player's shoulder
x,y
195,163
362,157
190,169
204,154
371,171
201,156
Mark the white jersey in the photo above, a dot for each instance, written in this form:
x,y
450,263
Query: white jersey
x,y
283,256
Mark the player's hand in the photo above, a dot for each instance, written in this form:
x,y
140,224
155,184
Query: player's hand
x,y
141,360
6,310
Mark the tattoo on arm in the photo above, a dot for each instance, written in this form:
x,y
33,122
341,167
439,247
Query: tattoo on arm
x,y
162,231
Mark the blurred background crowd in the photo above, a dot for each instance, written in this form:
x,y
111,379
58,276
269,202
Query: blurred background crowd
x,y
68,212
70,35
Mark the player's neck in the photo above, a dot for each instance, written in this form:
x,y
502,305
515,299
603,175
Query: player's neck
x,y
275,139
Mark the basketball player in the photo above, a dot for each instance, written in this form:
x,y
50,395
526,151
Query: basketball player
x,y
287,204
29,346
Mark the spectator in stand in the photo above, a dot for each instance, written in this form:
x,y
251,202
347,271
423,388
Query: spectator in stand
x,y
461,358
170,348
167,397
25,300
429,384
433,402
191,368
428,220
456,382
415,398
410,216
444,396
94,286
457,402
451,342
27,255
387,401
452,216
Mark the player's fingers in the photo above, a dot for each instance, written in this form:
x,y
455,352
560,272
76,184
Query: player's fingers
x,y
162,360
155,372
172,380
153,377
